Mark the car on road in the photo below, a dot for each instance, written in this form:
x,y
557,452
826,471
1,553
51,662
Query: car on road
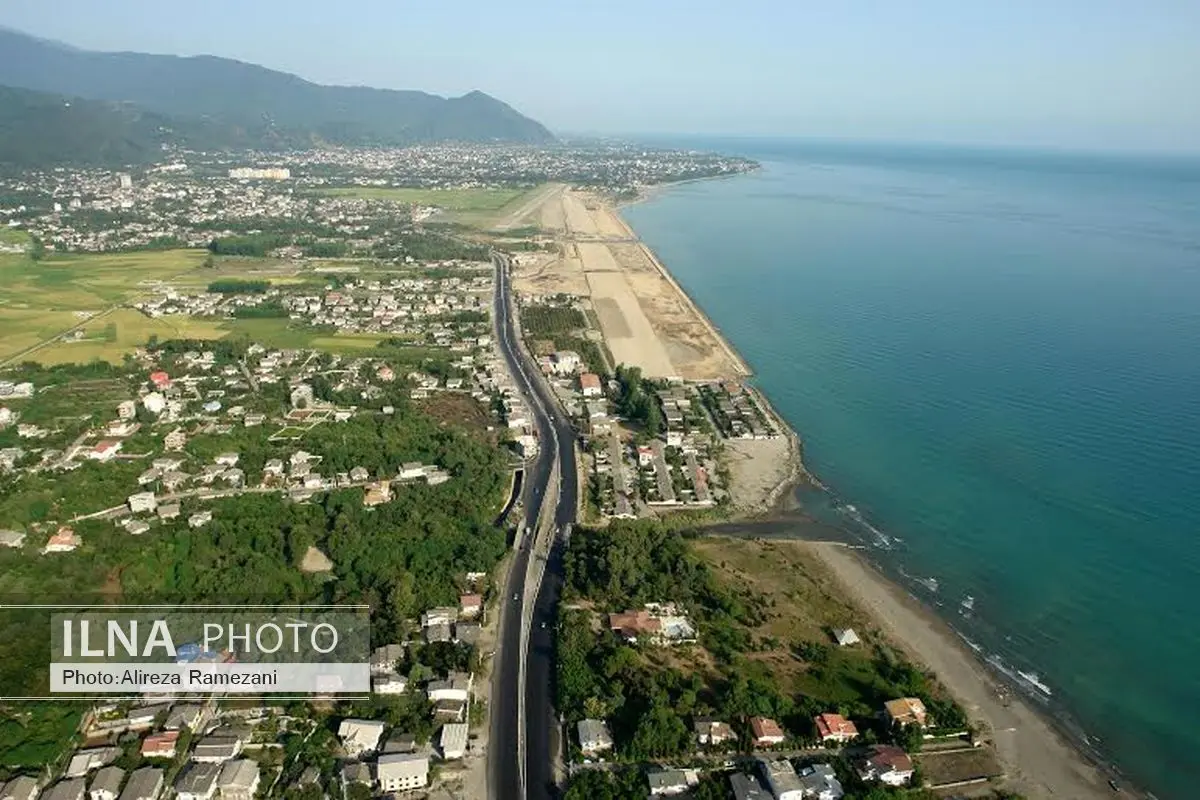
x,y
514,596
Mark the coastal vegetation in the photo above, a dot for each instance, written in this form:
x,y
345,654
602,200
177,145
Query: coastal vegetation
x,y
758,652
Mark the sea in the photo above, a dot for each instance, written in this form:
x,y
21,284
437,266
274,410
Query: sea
x,y
993,360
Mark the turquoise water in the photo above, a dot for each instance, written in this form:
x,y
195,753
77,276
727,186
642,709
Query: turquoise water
x,y
994,357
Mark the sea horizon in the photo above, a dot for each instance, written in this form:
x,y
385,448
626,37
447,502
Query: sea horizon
x,y
985,353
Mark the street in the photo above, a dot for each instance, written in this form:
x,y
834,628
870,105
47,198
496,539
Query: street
x,y
522,714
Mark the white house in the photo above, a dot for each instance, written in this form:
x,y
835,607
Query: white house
x,y
142,501
238,780
454,740
594,737
107,784
360,736
399,772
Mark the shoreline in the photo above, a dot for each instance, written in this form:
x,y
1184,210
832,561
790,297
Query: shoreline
x,y
1049,760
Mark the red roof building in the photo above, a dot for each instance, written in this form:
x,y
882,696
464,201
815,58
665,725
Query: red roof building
x,y
835,728
160,379
160,745
766,731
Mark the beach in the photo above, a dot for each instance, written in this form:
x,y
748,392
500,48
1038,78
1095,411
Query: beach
x,y
649,321
1038,761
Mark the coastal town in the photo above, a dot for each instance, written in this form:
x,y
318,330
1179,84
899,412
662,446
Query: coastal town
x,y
294,370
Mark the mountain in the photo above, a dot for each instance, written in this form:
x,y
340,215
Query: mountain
x,y
253,98
38,129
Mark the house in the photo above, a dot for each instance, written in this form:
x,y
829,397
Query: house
x,y
449,711
12,538
238,780
197,781
169,511
69,789
440,632
186,715
126,409
359,474
377,493
217,748
107,784
155,403
711,731
302,396
160,745
589,385
454,740
383,659
199,519
782,779
22,787
887,764
399,772
227,459
92,758
905,711
765,732
565,362
356,772
470,605
467,632
385,373
175,440
274,467
142,501
401,743
360,736
845,637
835,728
819,782
666,782
63,541
442,615
144,784
389,684
173,479
160,379
748,787
104,450
457,686
148,477
411,470
631,624
594,737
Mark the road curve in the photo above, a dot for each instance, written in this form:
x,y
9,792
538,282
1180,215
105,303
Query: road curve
x,y
533,731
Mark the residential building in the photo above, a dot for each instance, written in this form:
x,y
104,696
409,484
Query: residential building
x,y
107,784
887,764
197,781
238,780
766,732
589,385
360,736
126,409
442,615
835,728
383,659
467,632
845,637
144,784
175,440
906,711
712,732
666,782
63,541
782,779
168,511
470,606
142,501
92,758
69,789
399,772
388,684
748,787
22,787
453,740
594,737
105,450
185,715
217,748
630,625
819,782
160,745
12,538
356,772
200,519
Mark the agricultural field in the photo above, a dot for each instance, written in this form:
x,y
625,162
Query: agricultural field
x,y
13,236
87,282
110,336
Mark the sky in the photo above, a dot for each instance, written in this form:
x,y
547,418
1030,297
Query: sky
x,y
1089,74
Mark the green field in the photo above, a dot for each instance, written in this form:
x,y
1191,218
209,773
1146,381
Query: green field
x,y
449,199
13,236
110,337
87,282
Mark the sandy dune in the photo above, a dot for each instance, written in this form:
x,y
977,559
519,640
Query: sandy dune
x,y
645,317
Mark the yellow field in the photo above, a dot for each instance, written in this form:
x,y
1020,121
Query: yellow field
x,y
21,329
129,329
449,199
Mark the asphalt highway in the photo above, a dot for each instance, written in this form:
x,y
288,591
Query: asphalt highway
x,y
533,731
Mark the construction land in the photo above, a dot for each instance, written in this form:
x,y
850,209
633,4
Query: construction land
x,y
646,318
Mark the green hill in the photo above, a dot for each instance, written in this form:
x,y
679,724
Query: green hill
x,y
259,101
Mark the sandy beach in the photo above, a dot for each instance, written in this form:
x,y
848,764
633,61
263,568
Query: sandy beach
x,y
1038,761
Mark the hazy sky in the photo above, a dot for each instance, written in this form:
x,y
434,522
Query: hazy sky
x,y
1121,74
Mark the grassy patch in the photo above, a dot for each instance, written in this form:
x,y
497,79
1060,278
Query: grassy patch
x,y
449,199
110,337
13,236
87,281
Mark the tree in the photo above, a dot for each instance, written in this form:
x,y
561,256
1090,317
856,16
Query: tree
x,y
37,249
